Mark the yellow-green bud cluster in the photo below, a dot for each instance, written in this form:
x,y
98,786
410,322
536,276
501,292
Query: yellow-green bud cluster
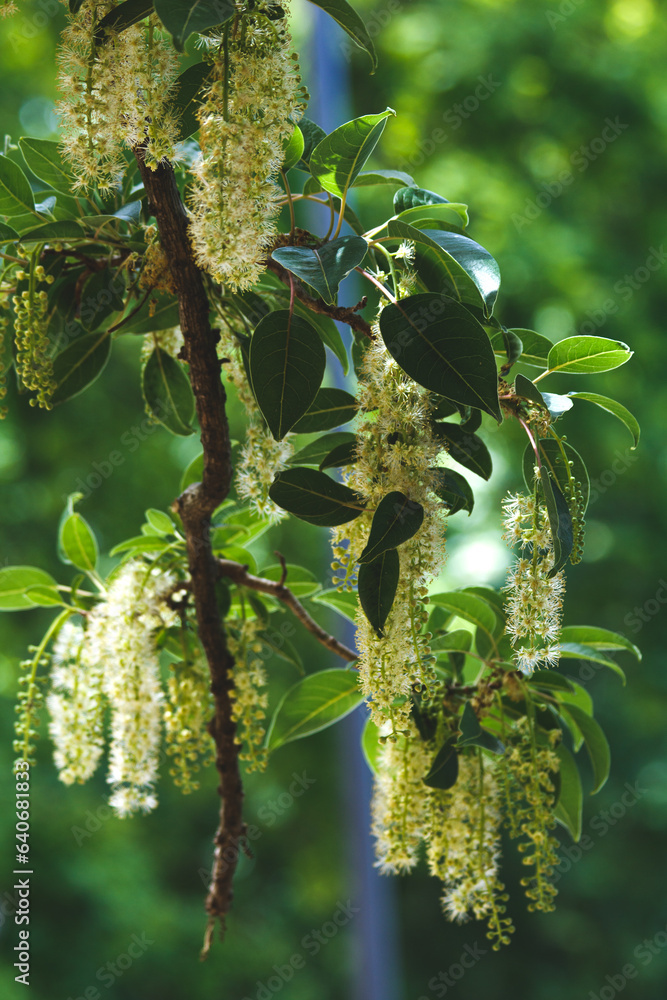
x,y
249,700
34,363
188,712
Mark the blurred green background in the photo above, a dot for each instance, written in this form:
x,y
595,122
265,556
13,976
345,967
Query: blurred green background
x,y
506,106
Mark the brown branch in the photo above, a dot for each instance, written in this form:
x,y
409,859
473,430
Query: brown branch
x,y
239,574
195,507
344,314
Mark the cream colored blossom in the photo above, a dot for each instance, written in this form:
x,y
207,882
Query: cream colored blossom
x,y
249,699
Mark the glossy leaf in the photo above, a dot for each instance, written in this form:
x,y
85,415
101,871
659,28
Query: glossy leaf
x,y
377,585
286,363
313,704
168,393
535,347
77,543
77,367
293,149
300,580
44,159
314,497
368,178
469,607
323,268
344,602
472,734
65,229
160,521
16,196
449,215
312,136
580,651
186,97
599,638
586,355
331,408
439,344
569,806
328,331
454,491
612,406
444,770
339,157
193,473
182,18
562,471
412,196
560,522
123,16
453,264
15,581
350,22
396,519
370,744
467,449
159,313
595,742
317,451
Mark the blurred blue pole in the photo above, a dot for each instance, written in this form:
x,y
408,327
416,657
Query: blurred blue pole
x,y
376,949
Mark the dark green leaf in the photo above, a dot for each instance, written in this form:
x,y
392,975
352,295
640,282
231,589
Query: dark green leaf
x,y
550,679
77,367
350,22
186,96
279,644
580,651
564,473
453,490
159,313
439,344
312,136
569,807
182,18
595,742
560,522
586,355
612,406
168,393
444,770
300,581
7,234
450,215
338,158
314,497
396,519
316,451
77,543
472,735
15,192
124,15
15,581
377,585
414,197
508,343
331,408
535,347
66,229
342,454
43,157
313,704
293,149
193,473
100,297
599,638
324,268
471,609
467,449
525,388
286,363
328,331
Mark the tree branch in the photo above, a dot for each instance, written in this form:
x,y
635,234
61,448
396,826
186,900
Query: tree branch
x,y
239,574
195,507
344,314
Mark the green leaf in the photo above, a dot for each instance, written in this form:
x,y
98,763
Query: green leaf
x,y
472,735
599,638
441,216
579,651
439,344
550,679
595,742
344,602
15,192
160,521
370,744
350,22
577,695
331,408
535,347
15,581
458,641
467,449
377,585
193,473
293,149
124,15
65,229
314,497
186,96
586,355
313,704
412,196
312,136
328,331
368,178
612,406
560,522
338,158
159,313
100,297
280,645
469,607
561,471
7,234
453,264
77,367
182,18
286,363
77,543
444,770
396,519
342,454
167,392
43,157
45,597
324,268
141,543
317,451
300,581
569,807
528,390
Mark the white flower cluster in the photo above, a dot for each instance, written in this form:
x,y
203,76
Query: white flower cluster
x,y
534,601
115,99
250,110
395,452
115,658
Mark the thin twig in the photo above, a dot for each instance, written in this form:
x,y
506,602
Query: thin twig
x,y
343,314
